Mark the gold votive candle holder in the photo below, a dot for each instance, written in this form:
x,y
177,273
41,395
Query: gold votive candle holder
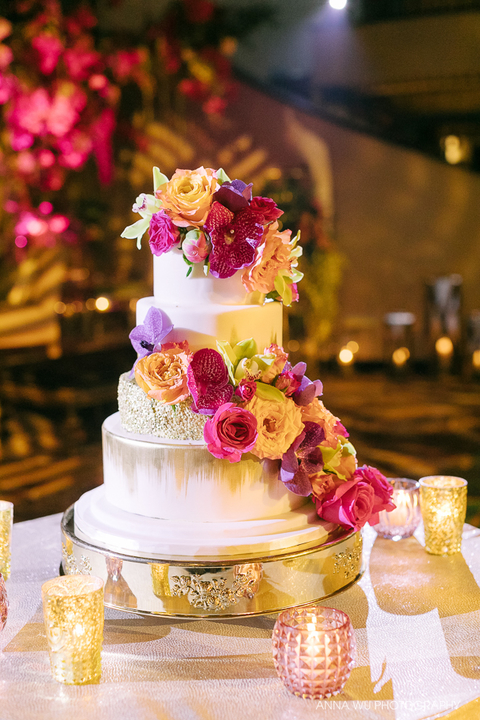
x,y
74,614
443,501
313,650
404,520
6,522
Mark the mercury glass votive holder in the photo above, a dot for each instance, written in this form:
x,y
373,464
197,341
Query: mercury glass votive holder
x,y
404,520
443,501
6,521
73,614
313,650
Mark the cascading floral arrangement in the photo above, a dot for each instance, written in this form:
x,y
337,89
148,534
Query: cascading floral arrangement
x,y
218,222
254,402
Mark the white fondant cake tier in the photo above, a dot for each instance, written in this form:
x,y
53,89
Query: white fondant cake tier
x,y
181,480
202,324
171,285
99,522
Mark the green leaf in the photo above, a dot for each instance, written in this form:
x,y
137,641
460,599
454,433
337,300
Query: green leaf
x,y
269,392
189,271
287,296
280,285
137,230
158,179
222,176
225,350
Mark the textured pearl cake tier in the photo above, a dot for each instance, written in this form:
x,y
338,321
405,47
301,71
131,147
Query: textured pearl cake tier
x,y
145,416
178,480
99,522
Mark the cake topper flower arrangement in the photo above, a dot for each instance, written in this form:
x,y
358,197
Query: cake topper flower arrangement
x,y
219,222
258,403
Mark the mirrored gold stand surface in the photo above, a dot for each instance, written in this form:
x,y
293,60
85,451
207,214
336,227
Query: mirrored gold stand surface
x,y
217,586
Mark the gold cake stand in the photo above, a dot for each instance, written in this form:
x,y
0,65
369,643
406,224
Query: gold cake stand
x,y
216,586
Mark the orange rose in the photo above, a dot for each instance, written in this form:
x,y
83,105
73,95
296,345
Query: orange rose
x,y
278,424
317,412
163,375
187,197
273,255
322,484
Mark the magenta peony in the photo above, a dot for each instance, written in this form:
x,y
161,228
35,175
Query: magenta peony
x,y
163,233
231,432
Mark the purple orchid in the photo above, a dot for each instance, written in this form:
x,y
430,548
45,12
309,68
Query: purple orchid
x,y
307,390
303,458
147,338
234,195
234,236
207,379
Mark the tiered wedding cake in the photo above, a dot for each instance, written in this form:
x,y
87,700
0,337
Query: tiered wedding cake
x,y
222,456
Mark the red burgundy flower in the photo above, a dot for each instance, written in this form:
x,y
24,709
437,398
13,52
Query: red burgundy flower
x,y
207,379
234,236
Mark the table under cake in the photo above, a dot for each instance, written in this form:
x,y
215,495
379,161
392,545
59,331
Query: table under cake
x,y
416,619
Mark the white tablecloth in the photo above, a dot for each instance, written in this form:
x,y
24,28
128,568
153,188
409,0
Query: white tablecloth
x,y
417,623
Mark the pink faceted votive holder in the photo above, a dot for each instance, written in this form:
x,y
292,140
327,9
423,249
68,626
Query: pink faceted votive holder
x,y
404,520
313,650
3,603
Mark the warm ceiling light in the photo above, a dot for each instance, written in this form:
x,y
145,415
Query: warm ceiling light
x,y
102,304
444,346
345,356
400,356
337,4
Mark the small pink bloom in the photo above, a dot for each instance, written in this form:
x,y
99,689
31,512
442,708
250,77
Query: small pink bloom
x,y
267,207
350,505
231,432
195,246
246,390
101,131
49,49
80,62
288,383
6,56
46,158
163,233
97,82
26,162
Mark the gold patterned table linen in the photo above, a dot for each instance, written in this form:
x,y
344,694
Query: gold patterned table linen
x,y
416,619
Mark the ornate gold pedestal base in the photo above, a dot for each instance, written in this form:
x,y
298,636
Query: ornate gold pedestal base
x,y
216,586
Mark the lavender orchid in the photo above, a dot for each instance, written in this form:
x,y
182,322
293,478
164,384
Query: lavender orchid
x,y
302,459
147,338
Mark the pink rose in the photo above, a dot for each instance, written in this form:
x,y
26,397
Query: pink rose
x,y
350,505
381,487
231,432
163,233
